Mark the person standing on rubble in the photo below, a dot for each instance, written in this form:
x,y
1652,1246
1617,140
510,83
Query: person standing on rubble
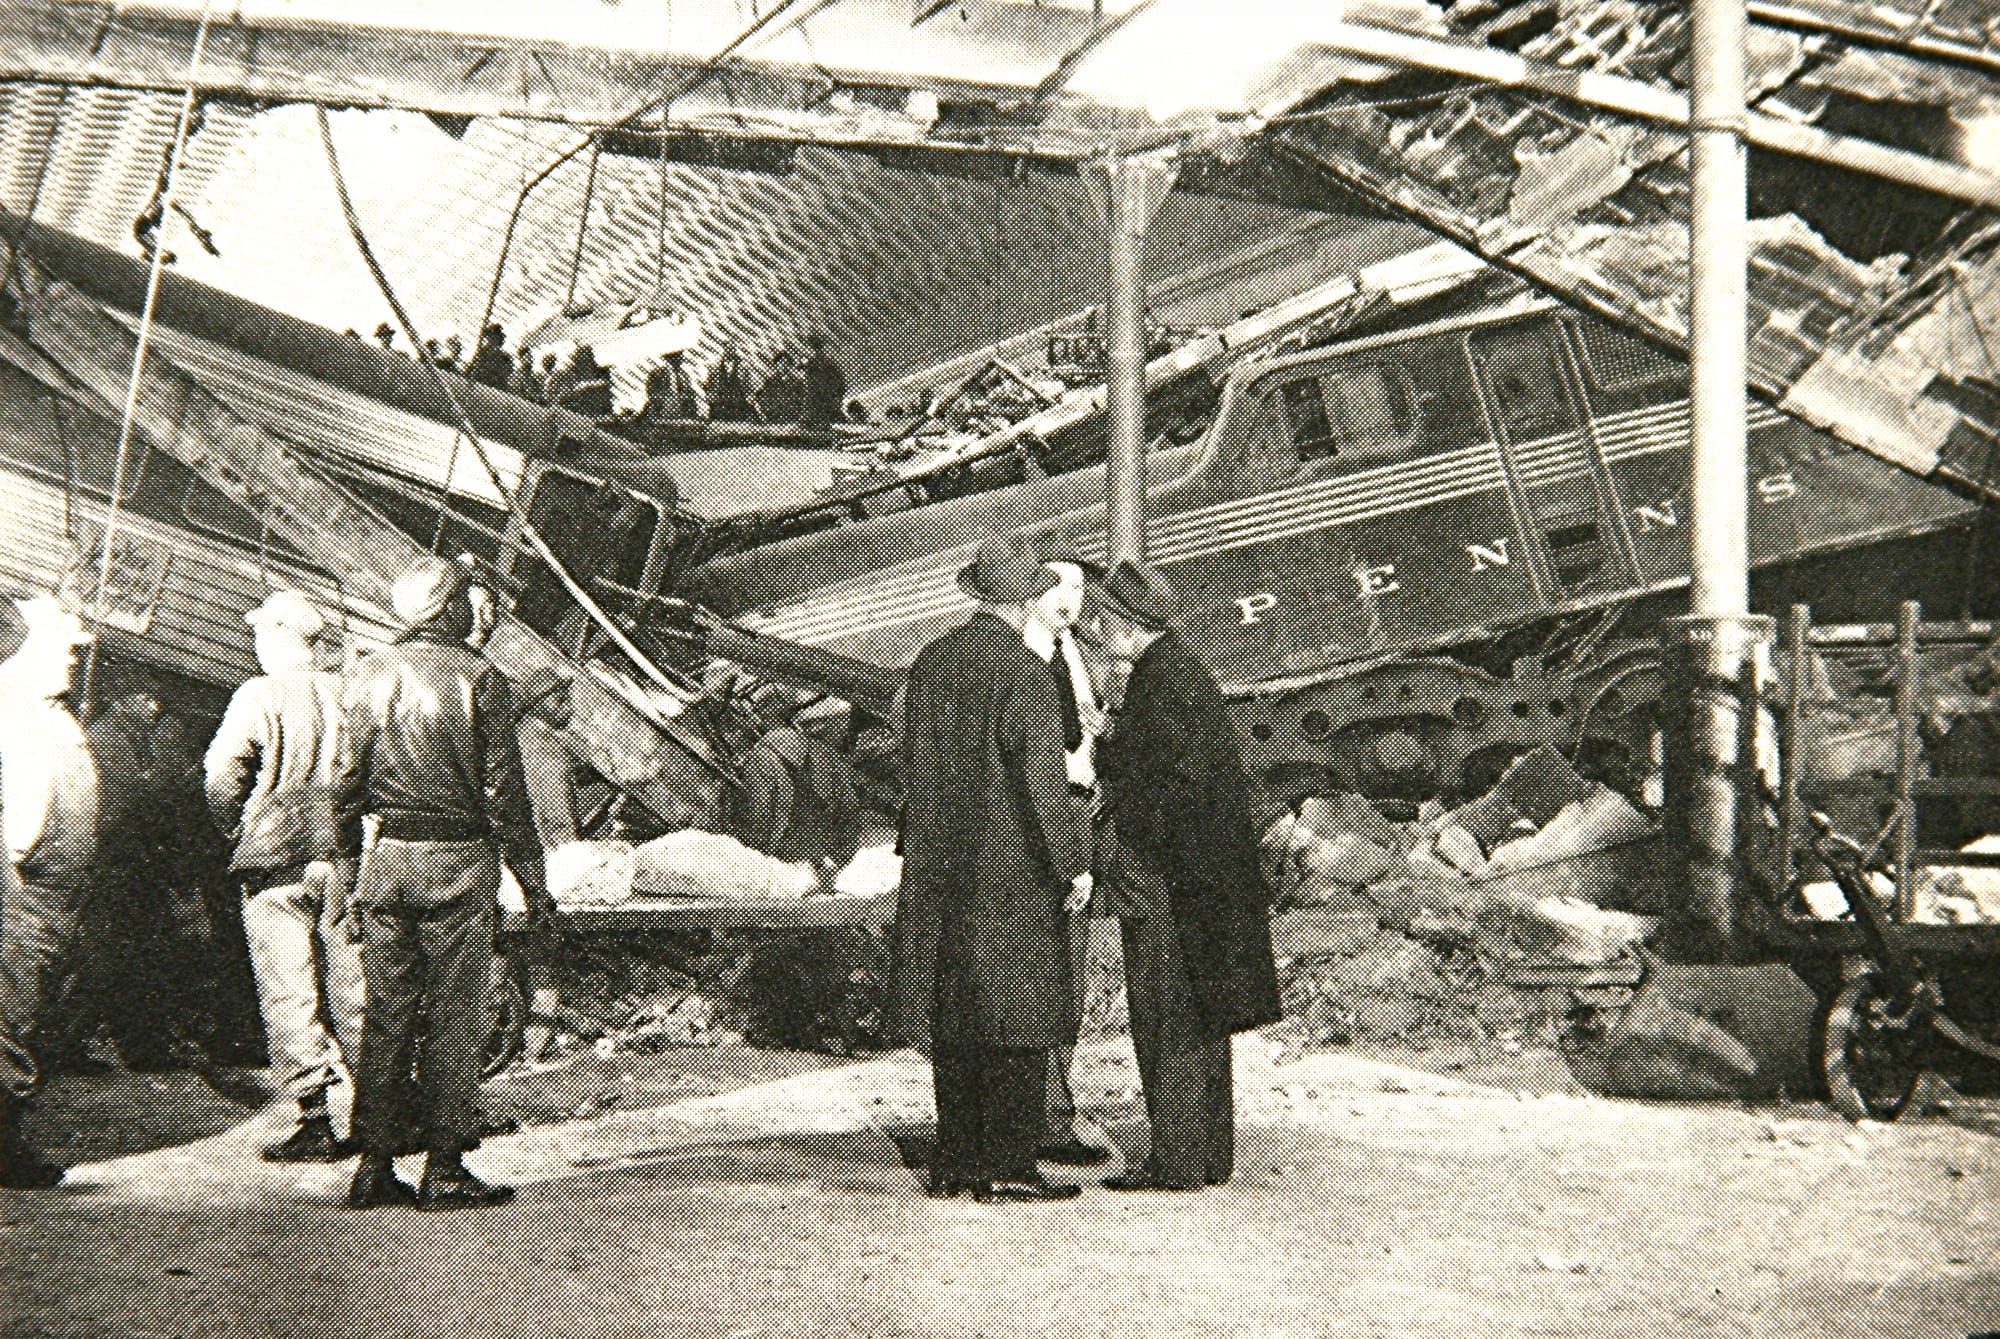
x,y
269,775
428,748
992,842
48,804
1183,879
149,967
551,772
727,389
1051,634
823,394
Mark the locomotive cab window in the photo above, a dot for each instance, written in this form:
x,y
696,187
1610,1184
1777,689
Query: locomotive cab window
x,y
1359,413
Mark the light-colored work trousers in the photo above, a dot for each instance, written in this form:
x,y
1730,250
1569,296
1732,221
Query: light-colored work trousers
x,y
309,985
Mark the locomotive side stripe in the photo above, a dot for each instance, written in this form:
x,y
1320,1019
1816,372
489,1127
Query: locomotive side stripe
x,y
913,597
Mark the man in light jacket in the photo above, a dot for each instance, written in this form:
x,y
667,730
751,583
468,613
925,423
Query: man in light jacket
x,y
48,792
270,787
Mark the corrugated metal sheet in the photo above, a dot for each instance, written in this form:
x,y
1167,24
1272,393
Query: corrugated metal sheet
x,y
900,269
1872,302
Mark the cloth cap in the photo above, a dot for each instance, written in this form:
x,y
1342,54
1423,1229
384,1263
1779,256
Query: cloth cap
x,y
479,572
46,617
13,629
1138,593
426,590
1005,570
289,610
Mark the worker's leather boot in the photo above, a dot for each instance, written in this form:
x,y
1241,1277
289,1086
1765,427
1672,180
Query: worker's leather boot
x,y
312,1141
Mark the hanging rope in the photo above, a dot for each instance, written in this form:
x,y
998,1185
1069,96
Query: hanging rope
x,y
169,184
584,599
788,14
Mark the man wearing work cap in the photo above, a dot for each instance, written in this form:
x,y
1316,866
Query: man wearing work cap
x,y
1184,882
428,748
993,845
269,774
48,795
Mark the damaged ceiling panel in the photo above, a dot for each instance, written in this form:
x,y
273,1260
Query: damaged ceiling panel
x,y
1875,303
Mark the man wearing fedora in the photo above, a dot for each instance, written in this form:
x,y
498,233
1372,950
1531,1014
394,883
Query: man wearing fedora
x,y
1184,881
428,748
269,774
994,847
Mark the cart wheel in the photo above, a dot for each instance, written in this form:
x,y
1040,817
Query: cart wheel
x,y
1871,1069
507,1014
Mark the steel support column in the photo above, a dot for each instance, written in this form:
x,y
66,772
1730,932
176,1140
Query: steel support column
x,y
1132,189
1713,655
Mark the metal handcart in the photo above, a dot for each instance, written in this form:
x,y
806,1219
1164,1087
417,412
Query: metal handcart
x,y
1902,997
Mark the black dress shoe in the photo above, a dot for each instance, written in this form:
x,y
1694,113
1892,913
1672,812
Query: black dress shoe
x,y
380,1188
22,1167
459,1190
1073,1152
1024,1192
1139,1178
942,1187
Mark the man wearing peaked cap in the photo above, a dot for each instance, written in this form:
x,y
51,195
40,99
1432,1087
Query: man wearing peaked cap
x,y
993,844
428,746
49,807
269,773
1183,878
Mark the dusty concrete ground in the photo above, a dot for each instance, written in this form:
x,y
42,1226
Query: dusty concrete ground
x,y
748,1193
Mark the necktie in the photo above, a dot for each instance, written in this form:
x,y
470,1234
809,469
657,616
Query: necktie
x,y
1072,715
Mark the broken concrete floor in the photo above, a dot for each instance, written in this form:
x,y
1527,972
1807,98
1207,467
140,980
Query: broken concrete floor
x,y
760,1193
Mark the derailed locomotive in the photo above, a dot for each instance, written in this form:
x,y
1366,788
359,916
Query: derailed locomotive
x,y
1408,557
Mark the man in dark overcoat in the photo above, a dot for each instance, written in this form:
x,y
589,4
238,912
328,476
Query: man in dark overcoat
x,y
995,847
1185,884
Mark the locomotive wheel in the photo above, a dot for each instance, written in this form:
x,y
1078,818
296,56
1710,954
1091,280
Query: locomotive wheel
x,y
507,1015
1871,1067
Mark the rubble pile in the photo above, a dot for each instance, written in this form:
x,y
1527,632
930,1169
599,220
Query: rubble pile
x,y
1401,933
1945,894
824,990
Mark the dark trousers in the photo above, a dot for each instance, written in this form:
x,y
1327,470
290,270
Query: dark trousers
x,y
38,933
989,1098
145,966
427,917
1059,1102
1184,1068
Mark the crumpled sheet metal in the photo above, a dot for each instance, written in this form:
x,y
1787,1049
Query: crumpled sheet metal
x,y
1885,344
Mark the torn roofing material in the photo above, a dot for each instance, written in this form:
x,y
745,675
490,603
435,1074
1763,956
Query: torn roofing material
x,y
1875,299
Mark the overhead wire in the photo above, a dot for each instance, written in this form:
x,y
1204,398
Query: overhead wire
x,y
791,12
584,599
142,346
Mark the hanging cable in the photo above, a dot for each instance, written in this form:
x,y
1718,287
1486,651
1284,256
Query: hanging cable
x,y
791,12
171,180
587,602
